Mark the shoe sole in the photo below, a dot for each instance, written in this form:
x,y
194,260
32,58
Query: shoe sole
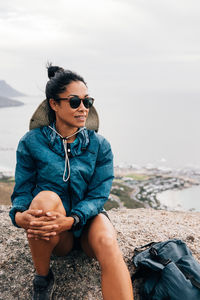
x,y
52,292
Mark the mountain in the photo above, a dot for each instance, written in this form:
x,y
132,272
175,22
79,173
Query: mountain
x,y
7,91
7,102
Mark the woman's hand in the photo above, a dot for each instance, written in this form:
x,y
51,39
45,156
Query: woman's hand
x,y
23,219
44,228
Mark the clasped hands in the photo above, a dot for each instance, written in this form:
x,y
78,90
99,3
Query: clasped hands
x,y
41,225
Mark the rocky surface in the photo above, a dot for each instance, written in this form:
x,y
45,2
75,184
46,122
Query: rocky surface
x,y
77,276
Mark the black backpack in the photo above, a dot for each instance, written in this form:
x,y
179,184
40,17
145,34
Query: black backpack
x,y
168,270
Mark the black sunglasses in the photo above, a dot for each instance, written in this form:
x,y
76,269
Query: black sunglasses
x,y
75,101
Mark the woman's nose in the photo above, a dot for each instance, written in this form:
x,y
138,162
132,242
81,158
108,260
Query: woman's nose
x,y
82,107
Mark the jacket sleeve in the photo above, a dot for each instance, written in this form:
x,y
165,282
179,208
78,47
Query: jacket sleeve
x,y
25,174
99,186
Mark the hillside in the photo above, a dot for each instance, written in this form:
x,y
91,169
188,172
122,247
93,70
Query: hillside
x,y
7,102
6,93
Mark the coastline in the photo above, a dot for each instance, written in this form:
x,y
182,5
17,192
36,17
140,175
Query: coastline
x,y
132,187
148,183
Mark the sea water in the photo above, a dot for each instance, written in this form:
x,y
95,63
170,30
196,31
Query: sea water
x,y
14,123
142,129
186,199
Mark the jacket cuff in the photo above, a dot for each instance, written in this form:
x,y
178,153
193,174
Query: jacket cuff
x,y
77,222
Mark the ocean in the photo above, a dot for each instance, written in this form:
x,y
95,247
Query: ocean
x,y
186,199
155,129
14,123
147,130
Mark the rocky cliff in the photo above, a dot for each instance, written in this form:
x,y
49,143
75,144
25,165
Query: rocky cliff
x,y
77,276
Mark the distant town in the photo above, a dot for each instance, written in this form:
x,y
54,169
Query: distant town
x,y
138,187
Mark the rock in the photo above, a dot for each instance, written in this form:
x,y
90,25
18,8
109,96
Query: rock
x,y
77,276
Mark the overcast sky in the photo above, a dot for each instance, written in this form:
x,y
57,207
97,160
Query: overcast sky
x,y
115,44
140,58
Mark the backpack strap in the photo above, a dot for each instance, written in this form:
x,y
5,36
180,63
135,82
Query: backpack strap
x,y
154,254
140,249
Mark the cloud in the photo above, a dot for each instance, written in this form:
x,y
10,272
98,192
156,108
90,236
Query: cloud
x,y
121,40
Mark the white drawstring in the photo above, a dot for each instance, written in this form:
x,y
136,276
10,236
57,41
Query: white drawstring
x,y
64,139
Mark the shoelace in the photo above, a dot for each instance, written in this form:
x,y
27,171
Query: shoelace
x,y
64,139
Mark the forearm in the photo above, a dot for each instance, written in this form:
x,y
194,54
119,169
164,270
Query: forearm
x,y
19,219
67,224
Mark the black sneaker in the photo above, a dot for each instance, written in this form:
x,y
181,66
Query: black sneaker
x,y
43,287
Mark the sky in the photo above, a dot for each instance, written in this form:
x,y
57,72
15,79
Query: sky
x,y
115,44
140,59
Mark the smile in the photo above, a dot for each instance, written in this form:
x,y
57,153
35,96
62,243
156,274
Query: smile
x,y
81,118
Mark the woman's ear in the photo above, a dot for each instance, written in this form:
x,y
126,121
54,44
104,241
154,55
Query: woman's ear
x,y
53,104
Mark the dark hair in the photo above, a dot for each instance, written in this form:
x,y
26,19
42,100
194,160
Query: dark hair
x,y
58,81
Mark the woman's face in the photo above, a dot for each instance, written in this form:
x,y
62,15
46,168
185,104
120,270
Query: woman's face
x,y
67,116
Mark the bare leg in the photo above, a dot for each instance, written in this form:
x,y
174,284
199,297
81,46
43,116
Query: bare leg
x,y
99,240
62,244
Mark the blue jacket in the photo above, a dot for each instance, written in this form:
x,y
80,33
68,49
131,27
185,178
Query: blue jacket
x,y
41,163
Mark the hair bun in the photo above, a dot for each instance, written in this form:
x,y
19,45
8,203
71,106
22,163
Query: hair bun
x,y
52,70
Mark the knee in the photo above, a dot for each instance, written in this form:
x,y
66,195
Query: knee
x,y
46,200
106,245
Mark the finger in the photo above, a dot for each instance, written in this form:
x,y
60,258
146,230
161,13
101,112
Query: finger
x,y
35,212
36,238
44,238
53,213
43,228
46,218
36,223
41,222
41,233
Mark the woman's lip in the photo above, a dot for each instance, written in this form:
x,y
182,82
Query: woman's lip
x,y
80,117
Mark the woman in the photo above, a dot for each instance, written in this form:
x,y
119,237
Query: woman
x,y
63,178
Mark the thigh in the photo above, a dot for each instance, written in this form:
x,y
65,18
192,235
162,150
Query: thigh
x,y
50,201
65,244
96,229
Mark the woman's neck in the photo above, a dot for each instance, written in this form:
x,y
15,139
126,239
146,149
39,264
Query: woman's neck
x,y
66,131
